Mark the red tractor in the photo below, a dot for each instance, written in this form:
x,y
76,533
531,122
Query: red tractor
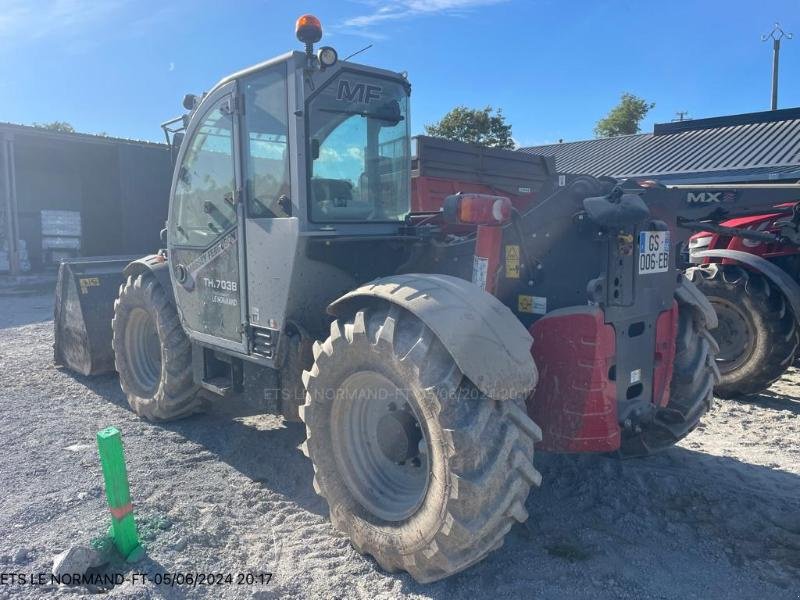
x,y
750,266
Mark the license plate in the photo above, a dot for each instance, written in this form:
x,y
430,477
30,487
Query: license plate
x,y
653,252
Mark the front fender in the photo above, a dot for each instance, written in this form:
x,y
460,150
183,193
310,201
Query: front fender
x,y
487,341
158,265
779,277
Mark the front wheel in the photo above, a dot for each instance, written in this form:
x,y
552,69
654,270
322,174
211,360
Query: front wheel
x,y
152,354
757,332
420,470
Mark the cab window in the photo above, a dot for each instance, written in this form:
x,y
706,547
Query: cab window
x,y
267,140
205,189
359,150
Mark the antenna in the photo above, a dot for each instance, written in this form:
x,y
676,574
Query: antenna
x,y
364,49
776,35
682,116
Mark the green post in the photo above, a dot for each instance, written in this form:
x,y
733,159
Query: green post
x,y
123,526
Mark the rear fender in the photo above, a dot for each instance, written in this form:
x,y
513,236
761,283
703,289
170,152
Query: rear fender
x,y
780,278
158,265
486,340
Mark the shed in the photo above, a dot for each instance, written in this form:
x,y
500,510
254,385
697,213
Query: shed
x,y
73,194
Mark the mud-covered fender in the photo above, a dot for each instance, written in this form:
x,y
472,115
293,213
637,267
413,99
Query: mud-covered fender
x,y
158,265
779,277
487,341
688,293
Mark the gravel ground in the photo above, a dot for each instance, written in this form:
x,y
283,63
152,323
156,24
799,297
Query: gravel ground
x,y
716,517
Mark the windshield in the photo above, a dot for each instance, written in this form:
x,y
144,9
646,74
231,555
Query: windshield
x,y
360,157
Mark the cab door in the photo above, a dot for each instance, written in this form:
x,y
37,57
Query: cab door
x,y
272,224
205,226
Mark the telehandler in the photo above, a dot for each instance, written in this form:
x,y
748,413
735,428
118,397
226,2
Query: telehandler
x,y
407,342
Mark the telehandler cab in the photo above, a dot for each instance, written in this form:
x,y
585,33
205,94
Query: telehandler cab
x,y
408,343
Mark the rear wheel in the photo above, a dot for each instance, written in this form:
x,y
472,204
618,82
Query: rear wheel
x,y
152,353
757,332
420,469
694,374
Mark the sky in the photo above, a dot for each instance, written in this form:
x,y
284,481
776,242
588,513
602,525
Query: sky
x,y
553,66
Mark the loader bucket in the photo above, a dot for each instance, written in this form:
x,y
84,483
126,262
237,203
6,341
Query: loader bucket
x,y
84,307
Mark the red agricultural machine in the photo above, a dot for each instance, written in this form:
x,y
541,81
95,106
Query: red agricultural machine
x,y
750,272
427,345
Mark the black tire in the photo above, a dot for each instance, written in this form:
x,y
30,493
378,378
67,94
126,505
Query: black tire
x,y
477,452
152,354
757,332
694,375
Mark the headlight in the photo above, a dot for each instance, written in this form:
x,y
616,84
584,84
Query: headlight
x,y
696,244
699,242
327,56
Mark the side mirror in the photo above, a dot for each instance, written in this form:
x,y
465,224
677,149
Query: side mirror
x,y
175,145
314,149
389,114
177,140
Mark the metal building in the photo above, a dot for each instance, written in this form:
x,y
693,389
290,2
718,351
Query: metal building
x,y
73,194
751,147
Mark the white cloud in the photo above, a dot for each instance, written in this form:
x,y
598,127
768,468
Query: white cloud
x,y
396,10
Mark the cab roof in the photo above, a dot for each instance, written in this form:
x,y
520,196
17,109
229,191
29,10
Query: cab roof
x,y
301,56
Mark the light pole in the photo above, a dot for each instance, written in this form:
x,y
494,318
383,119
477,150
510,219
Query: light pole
x,y
776,35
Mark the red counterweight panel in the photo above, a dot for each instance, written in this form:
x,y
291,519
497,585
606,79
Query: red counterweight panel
x,y
575,401
666,333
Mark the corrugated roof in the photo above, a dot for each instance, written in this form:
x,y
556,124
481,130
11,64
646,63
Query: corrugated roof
x,y
75,135
752,143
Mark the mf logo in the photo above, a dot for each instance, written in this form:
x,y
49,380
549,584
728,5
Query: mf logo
x,y
358,92
709,197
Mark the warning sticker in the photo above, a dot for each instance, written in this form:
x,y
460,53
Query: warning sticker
x,y
512,261
534,305
480,267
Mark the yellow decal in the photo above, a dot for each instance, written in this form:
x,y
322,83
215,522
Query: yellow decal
x,y
534,305
88,282
512,262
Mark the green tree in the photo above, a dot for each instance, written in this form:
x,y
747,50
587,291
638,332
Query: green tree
x,y
62,126
475,126
624,118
